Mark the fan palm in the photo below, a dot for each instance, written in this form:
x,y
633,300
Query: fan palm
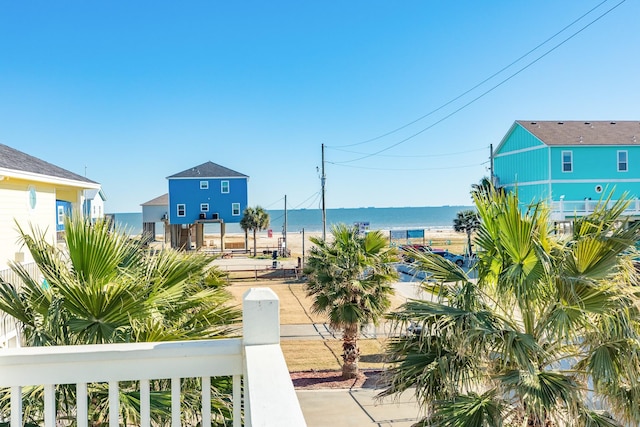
x,y
254,219
350,282
548,334
466,221
105,288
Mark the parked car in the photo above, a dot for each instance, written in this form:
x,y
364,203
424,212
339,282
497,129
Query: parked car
x,y
457,259
407,251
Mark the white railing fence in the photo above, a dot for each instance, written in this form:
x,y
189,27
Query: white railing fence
x,y
263,394
568,209
9,333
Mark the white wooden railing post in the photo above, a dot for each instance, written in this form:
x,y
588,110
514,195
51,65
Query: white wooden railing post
x,y
260,317
270,399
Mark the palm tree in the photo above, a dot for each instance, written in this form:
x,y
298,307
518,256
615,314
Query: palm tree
x,y
350,282
483,186
105,288
255,219
548,332
466,221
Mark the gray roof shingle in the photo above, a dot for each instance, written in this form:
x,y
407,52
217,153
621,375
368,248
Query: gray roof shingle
x,y
158,201
584,132
12,159
208,170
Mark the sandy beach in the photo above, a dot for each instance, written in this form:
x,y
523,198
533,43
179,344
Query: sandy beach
x,y
437,238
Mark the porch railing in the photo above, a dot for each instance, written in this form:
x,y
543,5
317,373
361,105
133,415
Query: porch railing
x,y
263,394
569,209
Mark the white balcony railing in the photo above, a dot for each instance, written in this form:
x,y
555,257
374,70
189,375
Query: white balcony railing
x,y
569,209
255,360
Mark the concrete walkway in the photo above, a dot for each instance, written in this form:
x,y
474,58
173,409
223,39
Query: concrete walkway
x,y
356,408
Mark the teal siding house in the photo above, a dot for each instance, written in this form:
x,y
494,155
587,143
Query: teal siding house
x,y
570,165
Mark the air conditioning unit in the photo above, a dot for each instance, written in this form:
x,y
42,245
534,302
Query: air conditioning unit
x,y
203,216
215,216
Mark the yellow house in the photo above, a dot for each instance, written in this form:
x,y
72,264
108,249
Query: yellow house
x,y
35,193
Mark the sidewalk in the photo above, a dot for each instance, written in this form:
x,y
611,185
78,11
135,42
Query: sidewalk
x,y
356,408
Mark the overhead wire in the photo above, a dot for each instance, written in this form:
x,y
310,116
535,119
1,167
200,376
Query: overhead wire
x,y
409,169
277,201
491,89
415,155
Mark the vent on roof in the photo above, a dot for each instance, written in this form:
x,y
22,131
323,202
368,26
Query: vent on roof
x,y
612,123
534,123
560,123
587,123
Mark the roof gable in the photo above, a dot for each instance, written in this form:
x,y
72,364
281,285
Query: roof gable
x,y
561,133
158,201
92,193
208,170
12,159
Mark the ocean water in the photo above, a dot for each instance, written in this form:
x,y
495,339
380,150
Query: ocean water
x,y
429,217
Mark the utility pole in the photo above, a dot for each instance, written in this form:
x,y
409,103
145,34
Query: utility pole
x,y
323,179
284,227
302,263
491,165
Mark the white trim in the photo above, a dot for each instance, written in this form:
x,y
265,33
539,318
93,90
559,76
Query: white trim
x,y
522,150
30,176
204,185
205,206
199,178
522,184
549,175
184,210
222,186
232,210
576,181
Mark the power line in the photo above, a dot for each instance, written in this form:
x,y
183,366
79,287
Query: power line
x,y
414,155
316,195
277,201
491,89
478,84
407,169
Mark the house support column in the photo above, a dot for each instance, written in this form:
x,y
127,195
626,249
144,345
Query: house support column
x,y
199,235
222,234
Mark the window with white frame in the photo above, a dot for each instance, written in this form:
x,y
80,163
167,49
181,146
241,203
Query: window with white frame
x,y
204,185
181,209
60,215
204,207
235,209
224,186
567,161
623,161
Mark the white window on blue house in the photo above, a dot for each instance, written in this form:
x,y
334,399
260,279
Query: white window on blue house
x,y
204,207
204,185
235,209
60,215
224,186
182,209
567,161
623,162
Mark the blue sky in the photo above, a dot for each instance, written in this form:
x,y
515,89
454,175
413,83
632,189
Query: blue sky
x,y
132,92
